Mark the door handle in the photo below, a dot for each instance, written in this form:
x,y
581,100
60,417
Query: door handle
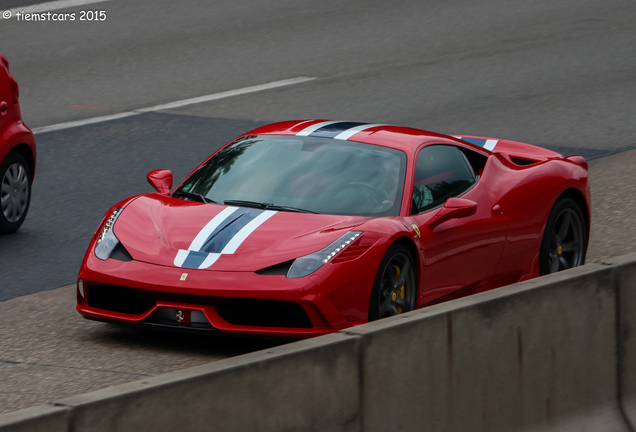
x,y
497,209
4,107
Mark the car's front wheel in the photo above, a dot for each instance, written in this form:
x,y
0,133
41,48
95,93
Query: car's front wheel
x,y
15,192
564,241
395,286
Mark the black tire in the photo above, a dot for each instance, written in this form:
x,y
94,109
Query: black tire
x,y
564,242
15,192
395,285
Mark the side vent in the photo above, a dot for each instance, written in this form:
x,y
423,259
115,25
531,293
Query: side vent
x,y
120,253
522,161
276,270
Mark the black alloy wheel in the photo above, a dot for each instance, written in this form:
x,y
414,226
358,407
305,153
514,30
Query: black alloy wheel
x,y
564,241
395,286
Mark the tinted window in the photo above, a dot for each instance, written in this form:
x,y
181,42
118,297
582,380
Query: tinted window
x,y
316,174
441,172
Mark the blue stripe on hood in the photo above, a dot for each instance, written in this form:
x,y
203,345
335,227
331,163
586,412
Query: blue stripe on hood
x,y
223,234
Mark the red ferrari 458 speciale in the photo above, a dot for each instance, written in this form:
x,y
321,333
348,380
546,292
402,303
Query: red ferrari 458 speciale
x,y
302,228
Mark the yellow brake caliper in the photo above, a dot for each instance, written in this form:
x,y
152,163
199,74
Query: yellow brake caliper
x,y
400,292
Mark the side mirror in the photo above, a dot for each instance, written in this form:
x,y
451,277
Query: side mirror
x,y
160,180
454,208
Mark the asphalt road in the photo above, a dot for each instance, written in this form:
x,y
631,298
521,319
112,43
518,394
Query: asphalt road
x,y
82,172
557,74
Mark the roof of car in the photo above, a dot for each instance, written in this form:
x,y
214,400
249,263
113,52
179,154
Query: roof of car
x,y
399,137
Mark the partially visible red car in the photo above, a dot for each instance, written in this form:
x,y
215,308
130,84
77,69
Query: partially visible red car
x,y
302,228
17,155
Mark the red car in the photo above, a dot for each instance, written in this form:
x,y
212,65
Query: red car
x,y
302,228
17,155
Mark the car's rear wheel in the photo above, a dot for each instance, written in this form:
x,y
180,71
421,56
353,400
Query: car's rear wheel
x,y
15,192
395,286
564,241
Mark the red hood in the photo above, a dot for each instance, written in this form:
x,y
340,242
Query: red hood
x,y
154,228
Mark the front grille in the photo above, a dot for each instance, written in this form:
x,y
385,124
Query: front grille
x,y
242,312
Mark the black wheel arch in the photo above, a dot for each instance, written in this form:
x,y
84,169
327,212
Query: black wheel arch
x,y
411,247
25,151
578,197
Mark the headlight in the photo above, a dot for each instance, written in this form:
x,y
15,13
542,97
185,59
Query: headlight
x,y
308,264
107,241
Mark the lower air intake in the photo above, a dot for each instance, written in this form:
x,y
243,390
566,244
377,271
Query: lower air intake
x,y
263,313
119,299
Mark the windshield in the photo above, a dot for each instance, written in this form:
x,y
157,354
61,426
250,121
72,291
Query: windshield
x,y
304,173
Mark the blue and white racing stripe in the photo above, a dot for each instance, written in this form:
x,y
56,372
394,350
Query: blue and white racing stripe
x,y
488,144
336,129
222,235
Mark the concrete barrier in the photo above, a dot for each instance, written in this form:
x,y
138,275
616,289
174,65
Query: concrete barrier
x,y
537,355
313,385
626,356
556,353
41,418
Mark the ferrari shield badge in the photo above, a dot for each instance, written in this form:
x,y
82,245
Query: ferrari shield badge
x,y
183,277
417,230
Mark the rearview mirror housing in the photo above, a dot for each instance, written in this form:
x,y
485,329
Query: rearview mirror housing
x,y
454,208
161,180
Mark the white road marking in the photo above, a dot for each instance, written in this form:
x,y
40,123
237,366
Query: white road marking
x,y
54,5
173,105
84,122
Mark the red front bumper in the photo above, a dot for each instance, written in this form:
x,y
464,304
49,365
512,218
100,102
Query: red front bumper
x,y
134,292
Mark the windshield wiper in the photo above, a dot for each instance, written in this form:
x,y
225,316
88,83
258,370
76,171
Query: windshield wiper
x,y
288,208
265,206
193,196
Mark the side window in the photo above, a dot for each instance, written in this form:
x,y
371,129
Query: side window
x,y
441,172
